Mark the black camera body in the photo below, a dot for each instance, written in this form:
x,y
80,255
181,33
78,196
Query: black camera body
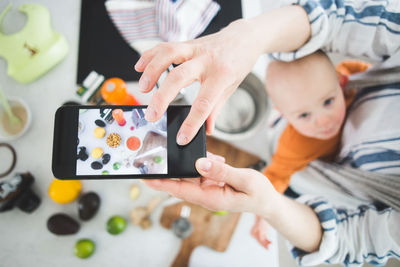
x,y
17,192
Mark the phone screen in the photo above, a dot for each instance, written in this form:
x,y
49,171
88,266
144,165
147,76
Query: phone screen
x,y
119,141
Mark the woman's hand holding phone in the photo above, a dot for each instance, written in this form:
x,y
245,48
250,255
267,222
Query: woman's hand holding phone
x,y
222,187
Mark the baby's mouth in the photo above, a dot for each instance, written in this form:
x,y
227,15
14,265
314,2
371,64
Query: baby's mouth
x,y
329,132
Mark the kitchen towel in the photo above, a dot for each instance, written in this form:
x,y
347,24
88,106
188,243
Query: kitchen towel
x,y
144,23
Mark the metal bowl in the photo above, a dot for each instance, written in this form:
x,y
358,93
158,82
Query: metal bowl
x,y
244,112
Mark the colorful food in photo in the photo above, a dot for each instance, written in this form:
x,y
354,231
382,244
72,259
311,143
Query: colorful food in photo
x,y
113,140
100,123
154,145
116,166
96,165
136,147
106,158
97,152
157,159
133,143
99,132
82,154
118,115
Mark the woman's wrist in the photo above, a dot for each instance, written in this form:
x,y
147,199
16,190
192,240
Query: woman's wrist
x,y
272,207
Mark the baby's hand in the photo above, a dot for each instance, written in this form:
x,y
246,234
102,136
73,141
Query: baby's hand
x,y
260,231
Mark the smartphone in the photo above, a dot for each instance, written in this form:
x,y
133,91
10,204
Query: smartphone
x,y
111,142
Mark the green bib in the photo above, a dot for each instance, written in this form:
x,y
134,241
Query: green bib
x,y
35,49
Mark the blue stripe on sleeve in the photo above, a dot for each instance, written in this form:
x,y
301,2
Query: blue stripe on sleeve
x,y
319,15
356,105
373,25
384,167
296,252
380,141
316,204
377,157
326,4
309,6
373,89
369,11
326,215
378,11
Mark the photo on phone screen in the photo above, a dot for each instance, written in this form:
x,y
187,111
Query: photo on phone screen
x,y
118,141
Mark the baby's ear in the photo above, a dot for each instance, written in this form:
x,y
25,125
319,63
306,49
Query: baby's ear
x,y
343,79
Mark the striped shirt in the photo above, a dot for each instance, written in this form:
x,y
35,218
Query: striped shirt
x,y
371,135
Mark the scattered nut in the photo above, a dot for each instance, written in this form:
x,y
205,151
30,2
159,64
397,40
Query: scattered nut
x,y
134,192
138,214
145,223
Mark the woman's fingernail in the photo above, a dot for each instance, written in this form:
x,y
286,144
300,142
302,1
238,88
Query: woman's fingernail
x,y
204,165
143,83
181,139
139,64
150,114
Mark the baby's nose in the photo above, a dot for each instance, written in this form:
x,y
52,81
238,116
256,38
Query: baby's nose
x,y
324,121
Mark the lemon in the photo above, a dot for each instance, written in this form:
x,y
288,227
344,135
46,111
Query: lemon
x,y
64,192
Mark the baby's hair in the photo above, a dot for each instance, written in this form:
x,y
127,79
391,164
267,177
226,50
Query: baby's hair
x,y
278,72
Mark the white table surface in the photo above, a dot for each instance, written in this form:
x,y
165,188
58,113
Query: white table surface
x,y
24,238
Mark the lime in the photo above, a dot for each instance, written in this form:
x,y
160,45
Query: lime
x,y
157,159
116,166
116,225
84,248
221,212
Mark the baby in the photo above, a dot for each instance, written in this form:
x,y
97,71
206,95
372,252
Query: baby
x,y
308,93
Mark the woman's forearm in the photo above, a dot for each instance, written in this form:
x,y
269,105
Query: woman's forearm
x,y
284,30
296,222
281,30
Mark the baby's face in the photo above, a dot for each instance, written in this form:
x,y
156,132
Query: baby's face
x,y
308,94
317,112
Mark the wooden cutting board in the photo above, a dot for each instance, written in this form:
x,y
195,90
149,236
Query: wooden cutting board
x,y
209,229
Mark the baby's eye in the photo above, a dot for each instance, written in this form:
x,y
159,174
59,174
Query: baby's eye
x,y
328,101
304,115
